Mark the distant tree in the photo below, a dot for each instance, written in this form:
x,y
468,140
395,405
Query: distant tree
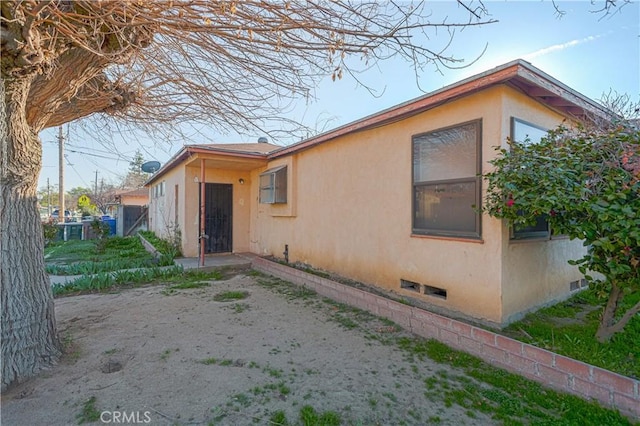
x,y
135,178
587,182
106,195
75,193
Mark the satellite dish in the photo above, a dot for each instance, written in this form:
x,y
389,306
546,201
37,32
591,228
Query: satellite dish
x,y
150,166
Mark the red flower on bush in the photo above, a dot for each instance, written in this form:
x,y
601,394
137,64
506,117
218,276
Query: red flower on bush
x,y
510,201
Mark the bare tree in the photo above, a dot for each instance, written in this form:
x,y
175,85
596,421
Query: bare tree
x,y
226,64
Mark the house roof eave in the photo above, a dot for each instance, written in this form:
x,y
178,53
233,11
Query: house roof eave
x,y
518,73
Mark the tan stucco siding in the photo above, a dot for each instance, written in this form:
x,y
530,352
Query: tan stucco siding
x,y
162,207
134,200
534,273
240,209
354,210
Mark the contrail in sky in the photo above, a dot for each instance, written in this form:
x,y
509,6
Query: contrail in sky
x,y
558,47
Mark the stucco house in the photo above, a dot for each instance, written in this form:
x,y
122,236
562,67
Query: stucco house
x,y
390,200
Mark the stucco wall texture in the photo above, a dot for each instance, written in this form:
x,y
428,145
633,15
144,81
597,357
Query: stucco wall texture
x,y
351,213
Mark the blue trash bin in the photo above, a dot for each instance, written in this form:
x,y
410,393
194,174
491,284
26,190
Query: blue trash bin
x,y
112,224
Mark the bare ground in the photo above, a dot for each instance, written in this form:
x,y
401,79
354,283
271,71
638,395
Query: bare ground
x,y
184,359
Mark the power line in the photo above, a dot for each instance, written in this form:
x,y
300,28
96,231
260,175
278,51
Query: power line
x,y
94,155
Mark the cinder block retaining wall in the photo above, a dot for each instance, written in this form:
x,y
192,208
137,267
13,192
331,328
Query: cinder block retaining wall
x,y
550,369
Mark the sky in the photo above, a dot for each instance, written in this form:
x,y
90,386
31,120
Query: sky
x,y
591,53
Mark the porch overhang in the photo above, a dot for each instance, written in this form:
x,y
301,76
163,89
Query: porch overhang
x,y
223,161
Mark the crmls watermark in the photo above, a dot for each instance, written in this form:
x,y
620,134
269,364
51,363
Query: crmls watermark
x,y
123,417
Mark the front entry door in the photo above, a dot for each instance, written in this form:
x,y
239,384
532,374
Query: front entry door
x,y
217,212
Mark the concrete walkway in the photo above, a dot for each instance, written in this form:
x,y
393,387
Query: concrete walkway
x,y
211,262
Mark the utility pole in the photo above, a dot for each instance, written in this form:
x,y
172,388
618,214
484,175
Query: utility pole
x,y
48,199
61,209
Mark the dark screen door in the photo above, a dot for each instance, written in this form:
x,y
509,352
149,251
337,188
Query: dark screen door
x,y
217,217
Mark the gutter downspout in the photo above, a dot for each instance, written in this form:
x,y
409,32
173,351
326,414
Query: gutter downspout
x,y
202,204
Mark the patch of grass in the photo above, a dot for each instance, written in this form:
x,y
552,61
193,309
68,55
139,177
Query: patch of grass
x,y
222,362
391,397
290,291
165,355
283,389
239,308
90,257
167,248
273,372
569,328
242,399
373,403
504,396
109,281
228,296
278,418
310,417
190,279
89,413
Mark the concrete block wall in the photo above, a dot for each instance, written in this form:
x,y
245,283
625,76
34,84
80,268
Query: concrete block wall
x,y
545,367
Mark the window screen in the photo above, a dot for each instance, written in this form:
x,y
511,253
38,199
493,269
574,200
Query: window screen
x,y
273,186
446,181
528,133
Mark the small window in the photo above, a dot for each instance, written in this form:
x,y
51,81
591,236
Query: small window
x,y
273,186
446,181
158,190
528,133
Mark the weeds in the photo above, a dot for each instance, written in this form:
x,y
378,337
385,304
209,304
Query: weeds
x,y
310,417
569,329
87,257
229,296
89,413
108,281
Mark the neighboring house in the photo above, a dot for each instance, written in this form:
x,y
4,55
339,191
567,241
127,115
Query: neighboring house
x,y
133,197
389,200
131,210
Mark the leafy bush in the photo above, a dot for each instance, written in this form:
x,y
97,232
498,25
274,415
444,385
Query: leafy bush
x,y
49,231
168,248
588,183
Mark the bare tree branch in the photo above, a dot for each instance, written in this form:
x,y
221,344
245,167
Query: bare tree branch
x,y
227,64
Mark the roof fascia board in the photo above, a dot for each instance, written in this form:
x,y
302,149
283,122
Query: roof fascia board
x,y
547,83
188,151
412,107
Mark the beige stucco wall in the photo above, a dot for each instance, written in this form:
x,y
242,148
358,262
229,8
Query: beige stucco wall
x,y
162,209
134,200
535,272
351,214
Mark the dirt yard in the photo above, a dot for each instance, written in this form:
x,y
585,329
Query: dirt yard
x,y
152,356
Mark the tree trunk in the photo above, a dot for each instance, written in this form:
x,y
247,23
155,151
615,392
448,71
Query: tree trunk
x,y
29,339
608,325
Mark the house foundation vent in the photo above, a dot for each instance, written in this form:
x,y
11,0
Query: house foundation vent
x,y
578,284
410,285
428,290
440,293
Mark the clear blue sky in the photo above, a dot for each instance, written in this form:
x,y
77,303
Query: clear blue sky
x,y
586,51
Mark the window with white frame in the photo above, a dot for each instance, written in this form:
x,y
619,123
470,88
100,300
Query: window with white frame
x,y
446,181
273,186
158,190
527,133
